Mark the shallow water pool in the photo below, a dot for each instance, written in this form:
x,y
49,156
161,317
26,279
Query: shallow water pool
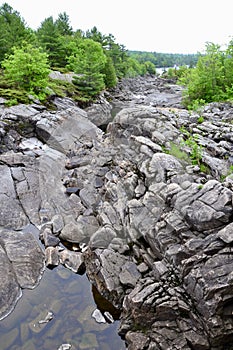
x,y
58,311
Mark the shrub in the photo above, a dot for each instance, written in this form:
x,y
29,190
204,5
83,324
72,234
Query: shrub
x,y
27,67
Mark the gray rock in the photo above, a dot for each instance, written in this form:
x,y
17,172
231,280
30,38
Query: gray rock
x,y
137,341
129,274
10,290
57,134
81,230
226,234
102,237
52,256
57,223
22,265
49,239
100,112
73,261
12,214
107,265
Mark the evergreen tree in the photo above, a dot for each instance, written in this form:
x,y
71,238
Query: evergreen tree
x,y
110,78
88,64
12,30
63,24
49,39
97,36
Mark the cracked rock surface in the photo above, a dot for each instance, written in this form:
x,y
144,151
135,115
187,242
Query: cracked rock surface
x,y
152,230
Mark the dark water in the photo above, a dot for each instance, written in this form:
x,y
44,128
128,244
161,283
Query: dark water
x,y
69,299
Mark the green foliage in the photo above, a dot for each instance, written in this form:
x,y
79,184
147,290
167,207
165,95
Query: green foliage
x,y
63,24
165,59
195,149
200,120
10,92
62,88
178,73
150,67
212,79
88,64
176,151
98,61
110,78
12,30
27,67
49,39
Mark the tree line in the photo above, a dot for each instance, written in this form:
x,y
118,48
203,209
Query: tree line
x,y
26,55
98,62
162,60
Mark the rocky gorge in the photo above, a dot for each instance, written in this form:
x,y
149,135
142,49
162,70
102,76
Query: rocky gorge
x,y
136,192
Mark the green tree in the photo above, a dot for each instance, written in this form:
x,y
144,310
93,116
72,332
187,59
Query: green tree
x,y
97,36
49,39
27,67
150,67
63,24
12,30
88,64
206,82
110,78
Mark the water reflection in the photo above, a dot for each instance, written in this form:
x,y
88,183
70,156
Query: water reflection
x,y
59,312
105,307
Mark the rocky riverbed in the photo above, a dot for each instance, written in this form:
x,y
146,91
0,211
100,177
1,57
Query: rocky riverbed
x,y
141,201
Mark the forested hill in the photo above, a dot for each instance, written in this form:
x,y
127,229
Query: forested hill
x,y
165,59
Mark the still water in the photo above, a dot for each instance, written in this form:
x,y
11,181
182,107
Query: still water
x,y
59,311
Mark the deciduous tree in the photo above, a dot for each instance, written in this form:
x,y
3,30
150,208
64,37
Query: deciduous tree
x,y
28,68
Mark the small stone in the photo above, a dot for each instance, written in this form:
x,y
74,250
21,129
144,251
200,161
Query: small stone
x,y
47,318
57,223
51,256
40,322
97,315
102,237
49,239
142,268
65,347
73,261
70,190
159,269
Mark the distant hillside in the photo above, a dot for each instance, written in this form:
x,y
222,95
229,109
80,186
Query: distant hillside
x,y
165,59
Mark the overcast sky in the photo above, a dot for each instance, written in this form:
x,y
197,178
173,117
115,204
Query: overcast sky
x,y
174,26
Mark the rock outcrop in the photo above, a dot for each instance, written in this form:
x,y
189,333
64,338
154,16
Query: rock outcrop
x,y
148,219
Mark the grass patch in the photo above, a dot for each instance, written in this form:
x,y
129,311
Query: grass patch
x,y
178,153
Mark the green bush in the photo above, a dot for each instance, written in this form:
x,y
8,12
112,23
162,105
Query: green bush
x,y
27,68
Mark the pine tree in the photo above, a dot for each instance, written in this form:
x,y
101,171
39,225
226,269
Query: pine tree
x,y
109,72
12,30
88,64
49,39
63,24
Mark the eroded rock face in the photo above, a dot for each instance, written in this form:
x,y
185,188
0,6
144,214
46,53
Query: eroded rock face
x,y
153,230
22,264
162,212
36,144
